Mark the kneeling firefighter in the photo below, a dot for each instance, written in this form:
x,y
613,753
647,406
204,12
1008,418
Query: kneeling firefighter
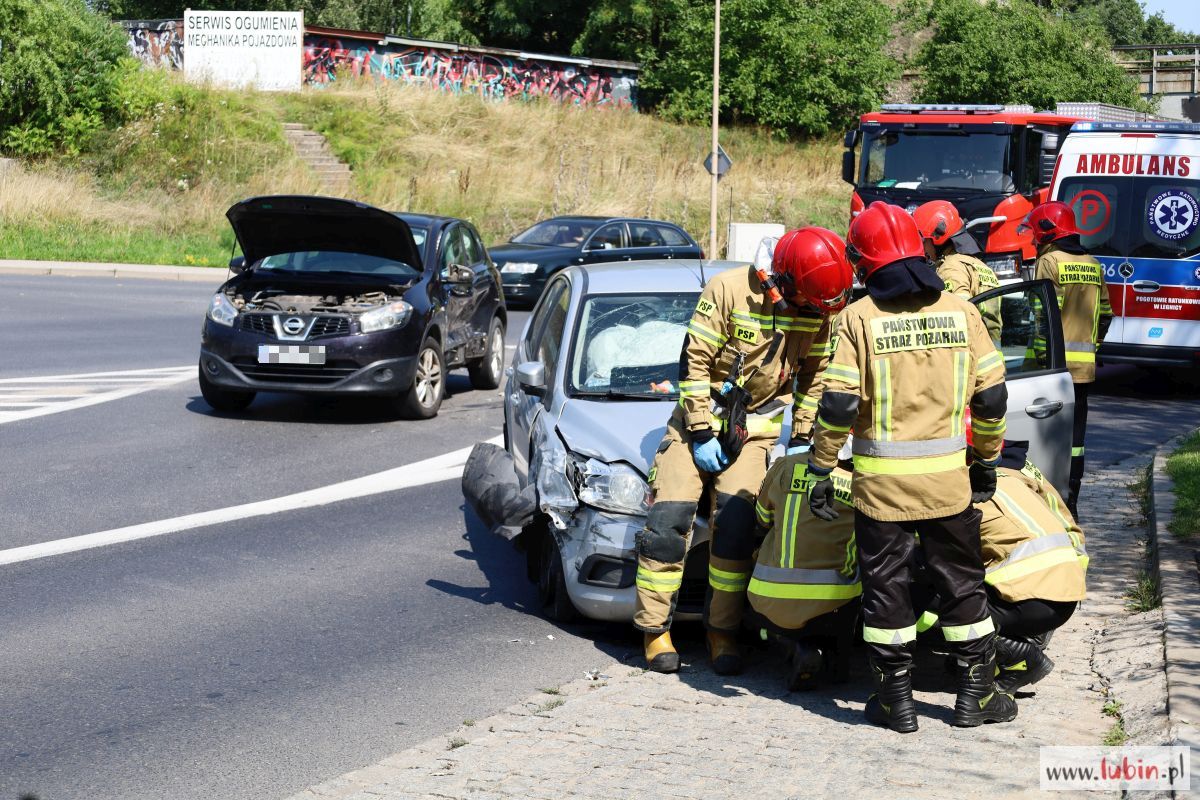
x,y
758,339
909,359
805,582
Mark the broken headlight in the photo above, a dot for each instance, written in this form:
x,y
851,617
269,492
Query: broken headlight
x,y
614,487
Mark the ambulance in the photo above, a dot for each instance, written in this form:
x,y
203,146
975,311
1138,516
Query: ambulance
x,y
1135,190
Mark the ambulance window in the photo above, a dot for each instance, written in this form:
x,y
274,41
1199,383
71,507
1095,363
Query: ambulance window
x,y
1098,204
1170,218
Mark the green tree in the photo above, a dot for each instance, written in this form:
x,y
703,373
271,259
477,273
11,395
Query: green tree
x,y
61,68
801,67
1015,52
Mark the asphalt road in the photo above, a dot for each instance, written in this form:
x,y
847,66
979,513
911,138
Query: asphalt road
x,y
253,658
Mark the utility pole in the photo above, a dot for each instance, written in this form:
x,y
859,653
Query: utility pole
x,y
712,214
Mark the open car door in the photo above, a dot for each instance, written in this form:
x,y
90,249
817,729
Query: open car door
x,y
1023,321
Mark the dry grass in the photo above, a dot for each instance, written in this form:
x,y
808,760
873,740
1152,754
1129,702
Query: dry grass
x,y
501,165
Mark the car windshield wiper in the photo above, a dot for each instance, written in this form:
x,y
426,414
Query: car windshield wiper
x,y
611,394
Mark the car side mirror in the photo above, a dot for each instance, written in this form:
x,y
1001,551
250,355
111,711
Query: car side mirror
x,y
237,265
531,377
457,273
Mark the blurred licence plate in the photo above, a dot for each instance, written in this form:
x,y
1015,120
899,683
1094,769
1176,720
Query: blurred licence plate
x,y
291,354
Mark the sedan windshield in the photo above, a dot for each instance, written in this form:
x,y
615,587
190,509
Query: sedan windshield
x,y
558,232
915,159
629,345
330,261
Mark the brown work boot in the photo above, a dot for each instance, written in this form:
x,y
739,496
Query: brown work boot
x,y
723,653
660,653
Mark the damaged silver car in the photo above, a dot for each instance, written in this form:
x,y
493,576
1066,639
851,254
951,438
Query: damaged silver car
x,y
586,402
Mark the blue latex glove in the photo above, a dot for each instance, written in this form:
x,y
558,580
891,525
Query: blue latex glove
x,y
709,456
796,448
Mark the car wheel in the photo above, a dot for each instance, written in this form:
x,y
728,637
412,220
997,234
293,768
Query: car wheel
x,y
424,397
552,582
223,399
485,372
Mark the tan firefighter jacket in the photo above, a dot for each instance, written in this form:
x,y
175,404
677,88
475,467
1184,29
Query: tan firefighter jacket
x,y
1032,547
1083,300
967,276
909,371
735,316
805,567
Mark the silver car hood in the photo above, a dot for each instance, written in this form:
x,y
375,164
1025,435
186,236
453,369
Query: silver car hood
x,y
615,430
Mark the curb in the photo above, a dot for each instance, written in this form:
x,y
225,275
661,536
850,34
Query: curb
x,y
358,785
1179,584
211,275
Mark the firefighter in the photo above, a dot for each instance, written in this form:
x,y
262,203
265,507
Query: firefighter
x,y
747,354
908,361
965,275
805,582
1083,303
1036,567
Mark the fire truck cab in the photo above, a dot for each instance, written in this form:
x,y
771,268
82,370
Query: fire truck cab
x,y
995,163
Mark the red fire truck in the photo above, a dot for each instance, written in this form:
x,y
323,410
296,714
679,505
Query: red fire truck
x,y
994,162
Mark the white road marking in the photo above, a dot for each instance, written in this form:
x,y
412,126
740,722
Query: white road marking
x,y
52,394
421,473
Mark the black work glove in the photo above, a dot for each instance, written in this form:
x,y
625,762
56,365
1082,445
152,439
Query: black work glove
x,y
983,482
820,497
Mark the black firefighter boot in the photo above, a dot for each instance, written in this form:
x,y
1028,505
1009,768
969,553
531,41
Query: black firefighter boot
x,y
1021,663
892,703
979,700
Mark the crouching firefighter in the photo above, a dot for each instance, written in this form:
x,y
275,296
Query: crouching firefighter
x,y
909,359
805,582
1036,562
758,339
965,275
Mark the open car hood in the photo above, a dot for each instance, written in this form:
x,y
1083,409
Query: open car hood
x,y
627,430
267,226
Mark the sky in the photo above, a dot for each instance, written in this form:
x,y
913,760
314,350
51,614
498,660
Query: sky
x,y
1184,14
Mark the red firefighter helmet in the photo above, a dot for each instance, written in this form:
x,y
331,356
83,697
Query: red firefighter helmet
x,y
810,264
937,221
1050,222
882,234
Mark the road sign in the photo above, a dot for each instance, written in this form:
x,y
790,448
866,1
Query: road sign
x,y
723,162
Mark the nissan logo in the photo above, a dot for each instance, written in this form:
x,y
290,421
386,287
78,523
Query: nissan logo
x,y
293,326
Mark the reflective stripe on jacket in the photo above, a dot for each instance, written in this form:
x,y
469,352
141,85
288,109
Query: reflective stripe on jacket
x,y
733,315
1032,547
805,567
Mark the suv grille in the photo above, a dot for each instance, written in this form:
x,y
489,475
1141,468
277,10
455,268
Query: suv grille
x,y
325,325
314,374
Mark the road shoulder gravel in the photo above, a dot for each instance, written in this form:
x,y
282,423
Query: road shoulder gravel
x,y
621,731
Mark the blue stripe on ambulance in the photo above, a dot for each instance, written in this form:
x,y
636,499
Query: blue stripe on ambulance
x,y
1163,271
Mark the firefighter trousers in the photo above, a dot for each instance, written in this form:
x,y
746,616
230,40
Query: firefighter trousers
x,y
678,485
1077,450
1026,618
955,565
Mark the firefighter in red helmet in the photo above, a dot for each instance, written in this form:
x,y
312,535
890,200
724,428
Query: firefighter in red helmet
x,y
1084,308
908,362
758,339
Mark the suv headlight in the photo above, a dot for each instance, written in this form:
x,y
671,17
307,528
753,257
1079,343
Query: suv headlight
x,y
393,315
614,487
221,311
520,267
1005,265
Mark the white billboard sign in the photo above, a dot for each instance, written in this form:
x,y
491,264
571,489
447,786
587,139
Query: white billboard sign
x,y
254,49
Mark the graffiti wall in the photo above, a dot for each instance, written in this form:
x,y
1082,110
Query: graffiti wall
x,y
158,43
491,73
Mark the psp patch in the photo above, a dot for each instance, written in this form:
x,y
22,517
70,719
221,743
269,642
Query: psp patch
x,y
1173,215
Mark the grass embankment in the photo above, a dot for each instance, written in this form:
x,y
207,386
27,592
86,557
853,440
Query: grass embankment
x,y
1184,468
156,190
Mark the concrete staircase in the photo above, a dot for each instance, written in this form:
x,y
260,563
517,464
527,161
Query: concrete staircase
x,y
313,150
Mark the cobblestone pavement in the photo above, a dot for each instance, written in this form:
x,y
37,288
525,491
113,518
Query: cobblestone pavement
x,y
626,732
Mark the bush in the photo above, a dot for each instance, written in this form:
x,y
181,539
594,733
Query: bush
x,y
60,66
800,67
1014,52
